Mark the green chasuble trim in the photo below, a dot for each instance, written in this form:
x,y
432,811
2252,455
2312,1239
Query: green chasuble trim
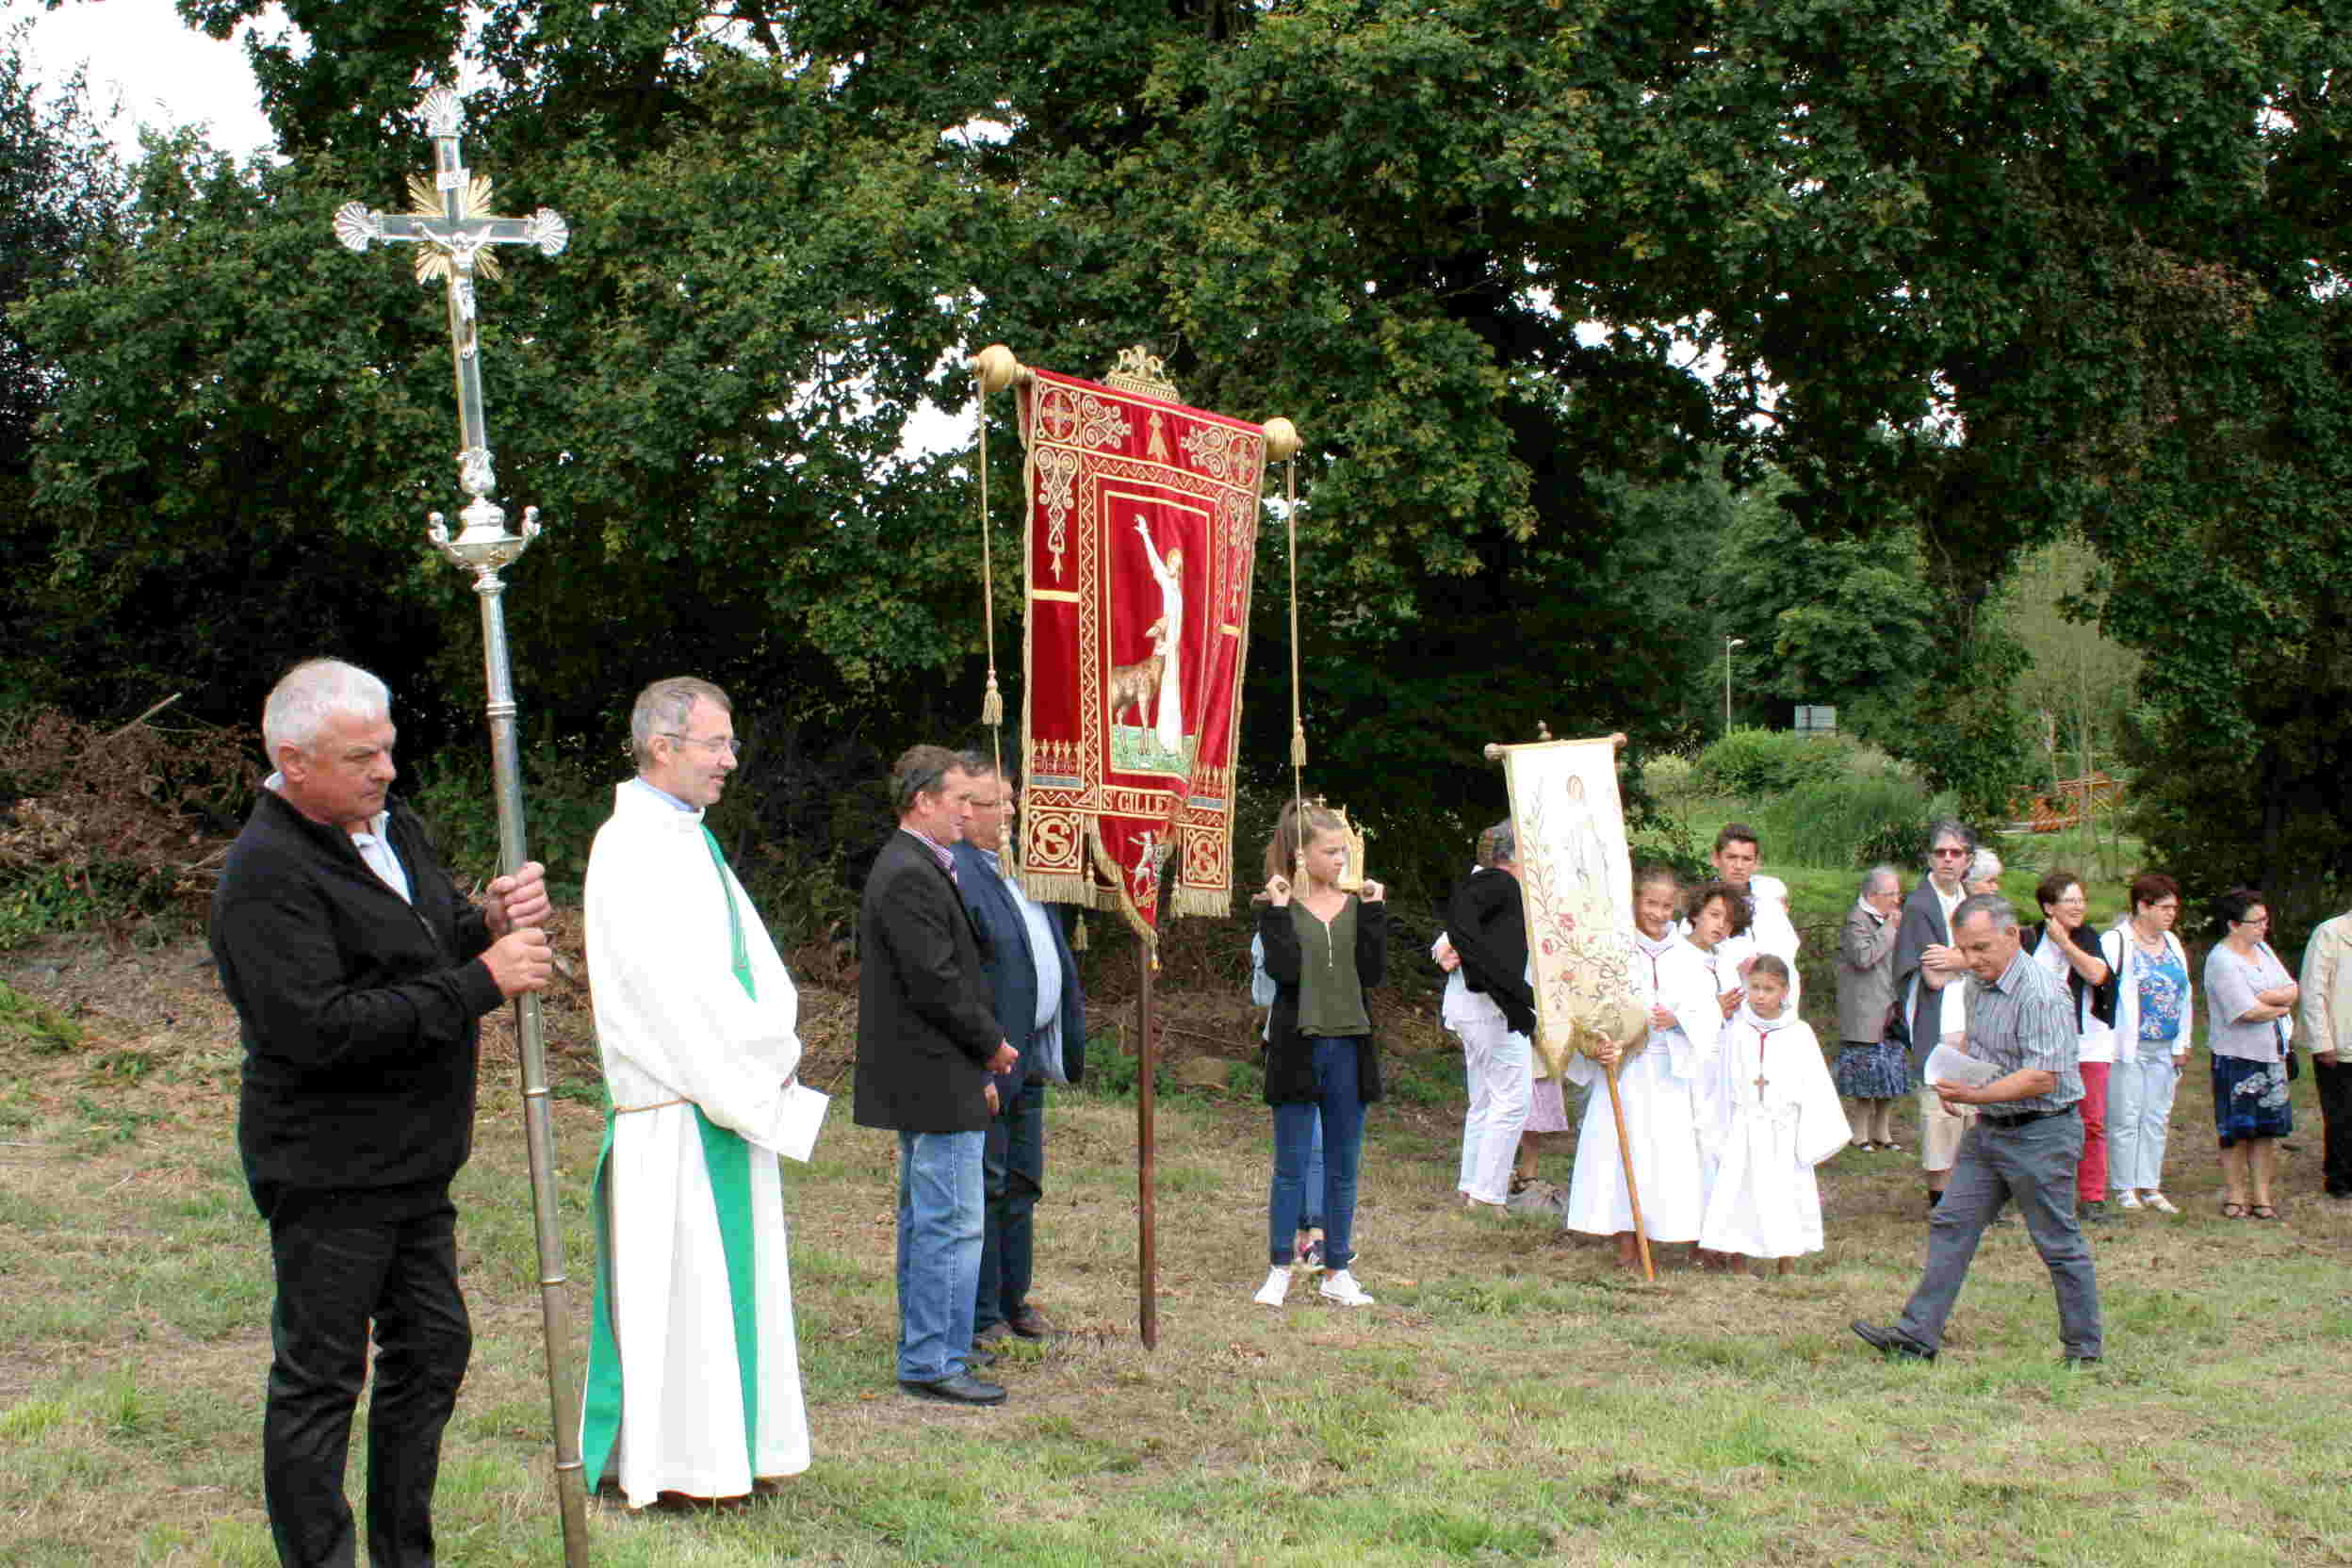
x,y
726,1161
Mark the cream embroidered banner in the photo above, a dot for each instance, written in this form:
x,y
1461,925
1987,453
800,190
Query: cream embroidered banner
x,y
1577,886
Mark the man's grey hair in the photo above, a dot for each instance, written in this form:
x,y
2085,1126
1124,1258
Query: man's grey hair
x,y
1879,876
920,771
1502,844
1984,868
1950,827
315,691
663,708
2004,914
977,763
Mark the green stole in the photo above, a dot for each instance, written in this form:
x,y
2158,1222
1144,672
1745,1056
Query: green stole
x,y
727,1157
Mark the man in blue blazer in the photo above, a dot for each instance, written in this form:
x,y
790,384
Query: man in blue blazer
x,y
1033,979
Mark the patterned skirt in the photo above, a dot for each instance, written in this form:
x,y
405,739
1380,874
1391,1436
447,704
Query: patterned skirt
x,y
1547,1111
2250,1099
1880,1071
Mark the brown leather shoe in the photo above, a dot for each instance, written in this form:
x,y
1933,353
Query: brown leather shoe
x,y
1029,1323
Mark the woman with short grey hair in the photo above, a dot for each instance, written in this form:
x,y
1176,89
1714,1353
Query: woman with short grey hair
x,y
1871,1071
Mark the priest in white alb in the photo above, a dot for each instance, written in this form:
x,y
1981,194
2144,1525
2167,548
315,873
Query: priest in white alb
x,y
1674,985
693,1379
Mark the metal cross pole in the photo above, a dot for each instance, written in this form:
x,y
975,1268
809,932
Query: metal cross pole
x,y
447,222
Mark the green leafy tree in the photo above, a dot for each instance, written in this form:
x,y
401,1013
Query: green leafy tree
x,y
60,193
1844,621
1970,271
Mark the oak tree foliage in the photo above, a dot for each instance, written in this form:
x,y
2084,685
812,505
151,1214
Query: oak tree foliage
x,y
1531,276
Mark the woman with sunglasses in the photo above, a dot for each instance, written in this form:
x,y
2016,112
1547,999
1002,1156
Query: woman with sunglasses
x,y
2248,994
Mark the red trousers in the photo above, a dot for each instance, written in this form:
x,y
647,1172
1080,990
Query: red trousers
x,y
2090,1177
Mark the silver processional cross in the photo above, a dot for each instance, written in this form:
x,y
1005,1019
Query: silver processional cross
x,y
448,220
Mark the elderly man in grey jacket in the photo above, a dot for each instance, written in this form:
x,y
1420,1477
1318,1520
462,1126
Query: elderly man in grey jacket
x,y
1870,1068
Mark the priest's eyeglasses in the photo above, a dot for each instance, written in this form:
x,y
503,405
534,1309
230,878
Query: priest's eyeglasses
x,y
728,744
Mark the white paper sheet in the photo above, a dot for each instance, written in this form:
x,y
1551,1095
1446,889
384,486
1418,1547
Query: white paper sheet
x,y
1946,1066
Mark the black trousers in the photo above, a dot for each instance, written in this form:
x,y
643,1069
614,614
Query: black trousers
x,y
339,1268
2335,1117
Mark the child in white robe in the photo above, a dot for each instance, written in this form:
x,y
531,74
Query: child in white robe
x,y
1769,1112
1654,1085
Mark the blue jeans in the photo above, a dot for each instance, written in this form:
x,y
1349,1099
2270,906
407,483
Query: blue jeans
x,y
940,1187
1312,1200
1013,1173
1339,1108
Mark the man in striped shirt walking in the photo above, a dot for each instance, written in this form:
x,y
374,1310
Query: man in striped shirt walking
x,y
2023,1148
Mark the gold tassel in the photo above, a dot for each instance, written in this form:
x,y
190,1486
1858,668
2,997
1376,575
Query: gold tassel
x,y
1298,748
1078,942
992,705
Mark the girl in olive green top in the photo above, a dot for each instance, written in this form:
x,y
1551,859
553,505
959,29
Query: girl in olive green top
x,y
1325,949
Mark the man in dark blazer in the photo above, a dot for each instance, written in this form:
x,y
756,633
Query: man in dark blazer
x,y
927,1042
1034,977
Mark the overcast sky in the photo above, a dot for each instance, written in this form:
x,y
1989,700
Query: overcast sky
x,y
161,72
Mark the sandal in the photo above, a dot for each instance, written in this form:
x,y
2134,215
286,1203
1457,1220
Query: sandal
x,y
2263,1210
2233,1211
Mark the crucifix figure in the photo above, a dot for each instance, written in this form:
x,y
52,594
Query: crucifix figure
x,y
447,222
1762,1044
448,219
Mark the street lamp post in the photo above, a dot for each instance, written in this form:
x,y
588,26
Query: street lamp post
x,y
1729,644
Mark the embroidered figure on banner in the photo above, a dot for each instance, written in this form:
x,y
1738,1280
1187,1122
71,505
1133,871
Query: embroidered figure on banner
x,y
1157,742
1143,878
1133,685
1583,860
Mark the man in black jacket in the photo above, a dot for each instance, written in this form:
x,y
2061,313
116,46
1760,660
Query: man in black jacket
x,y
358,974
927,1042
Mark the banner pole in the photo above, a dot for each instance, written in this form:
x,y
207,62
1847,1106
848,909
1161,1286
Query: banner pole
x,y
1147,1218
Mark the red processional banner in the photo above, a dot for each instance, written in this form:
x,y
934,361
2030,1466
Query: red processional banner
x,y
1142,529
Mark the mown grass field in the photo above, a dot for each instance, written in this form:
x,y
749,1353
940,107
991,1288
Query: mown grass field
x,y
1511,1399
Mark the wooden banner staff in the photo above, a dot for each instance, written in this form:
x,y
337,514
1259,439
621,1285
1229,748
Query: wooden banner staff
x,y
1609,1070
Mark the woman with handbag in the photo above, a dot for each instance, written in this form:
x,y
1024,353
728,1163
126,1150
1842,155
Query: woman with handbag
x,y
2247,994
2062,943
2155,1011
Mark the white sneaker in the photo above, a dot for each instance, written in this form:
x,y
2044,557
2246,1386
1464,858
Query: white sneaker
x,y
1275,1289
2158,1202
2127,1199
1341,1287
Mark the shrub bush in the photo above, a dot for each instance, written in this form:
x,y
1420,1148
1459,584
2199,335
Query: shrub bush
x,y
564,801
1758,763
1902,842
1846,822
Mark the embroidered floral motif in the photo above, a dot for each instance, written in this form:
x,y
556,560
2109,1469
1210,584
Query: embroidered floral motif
x,y
1057,478
1219,451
